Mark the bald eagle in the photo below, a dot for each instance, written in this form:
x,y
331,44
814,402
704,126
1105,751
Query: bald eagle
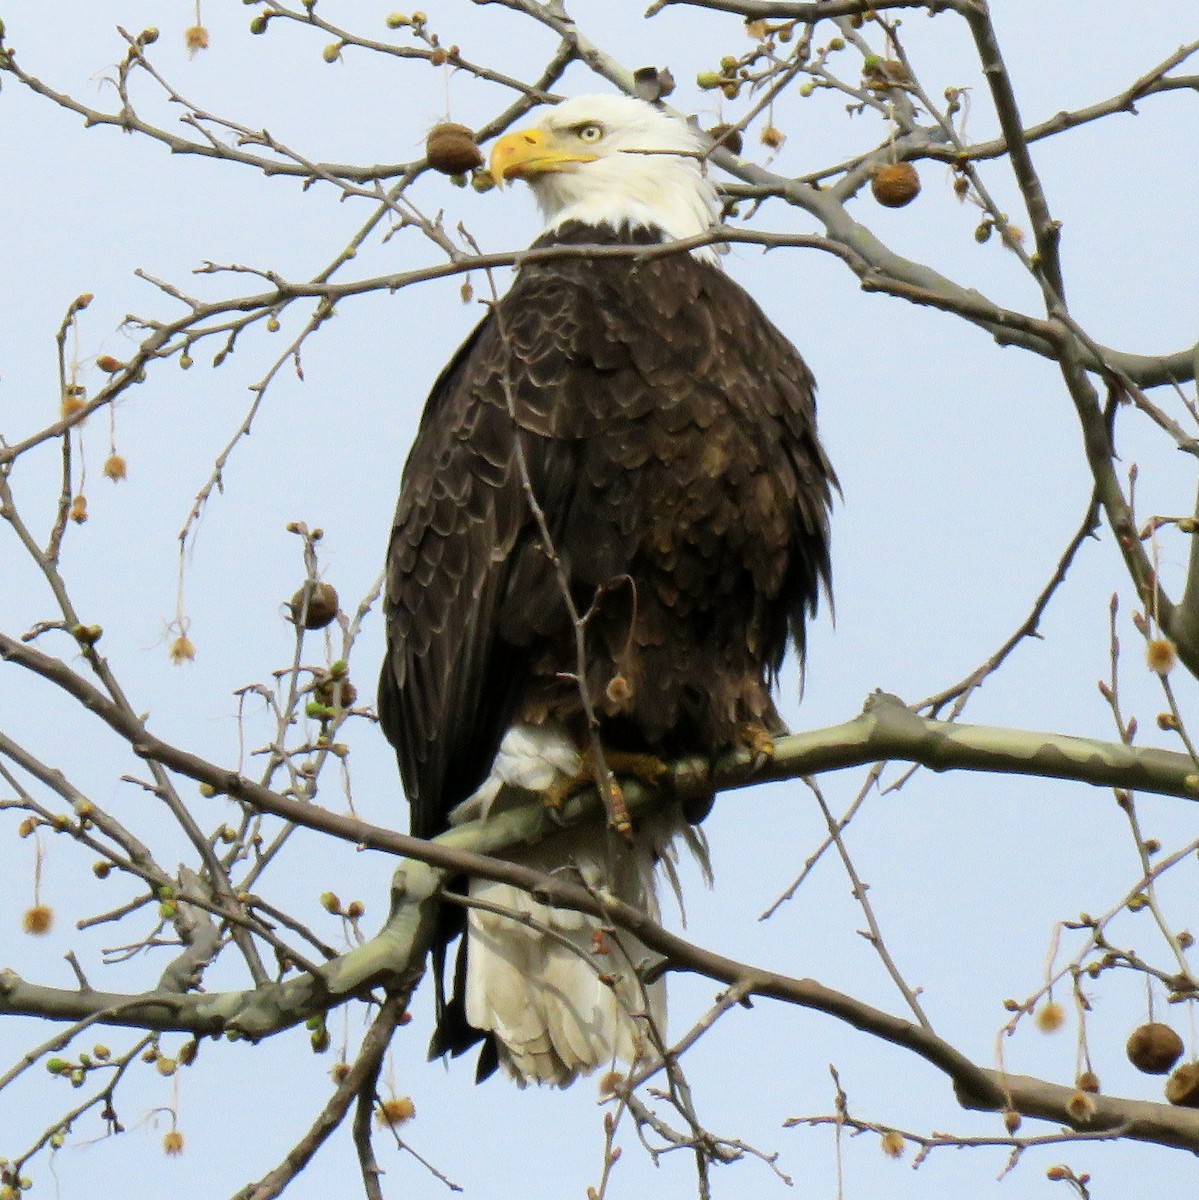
x,y
666,431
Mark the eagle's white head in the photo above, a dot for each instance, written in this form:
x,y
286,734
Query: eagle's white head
x,y
612,160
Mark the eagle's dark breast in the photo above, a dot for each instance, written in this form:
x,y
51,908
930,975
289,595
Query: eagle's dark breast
x,y
668,434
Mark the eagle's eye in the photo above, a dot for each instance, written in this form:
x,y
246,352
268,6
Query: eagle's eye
x,y
591,132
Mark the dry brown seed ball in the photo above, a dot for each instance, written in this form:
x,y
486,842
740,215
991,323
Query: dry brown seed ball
x,y
452,150
896,184
1182,1087
1154,1049
321,607
727,137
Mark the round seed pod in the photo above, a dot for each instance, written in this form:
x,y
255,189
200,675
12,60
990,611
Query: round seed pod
x,y
1182,1088
326,691
321,607
727,137
1154,1049
895,184
452,150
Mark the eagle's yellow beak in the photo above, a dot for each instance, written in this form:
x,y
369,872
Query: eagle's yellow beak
x,y
527,152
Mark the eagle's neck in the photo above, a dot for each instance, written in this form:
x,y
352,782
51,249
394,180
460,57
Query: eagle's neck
x,y
670,196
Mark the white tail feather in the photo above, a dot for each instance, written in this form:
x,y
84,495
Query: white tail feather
x,y
562,995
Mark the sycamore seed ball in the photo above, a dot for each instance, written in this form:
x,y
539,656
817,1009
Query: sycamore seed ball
x,y
895,184
1161,655
320,609
1154,1048
395,1111
727,137
1050,1017
1182,1087
452,150
1081,1107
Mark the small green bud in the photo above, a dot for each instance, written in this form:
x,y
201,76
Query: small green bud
x,y
185,361
259,24
707,80
57,1066
396,20
332,52
272,325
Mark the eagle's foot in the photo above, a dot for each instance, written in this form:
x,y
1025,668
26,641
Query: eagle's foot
x,y
556,795
645,768
758,741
